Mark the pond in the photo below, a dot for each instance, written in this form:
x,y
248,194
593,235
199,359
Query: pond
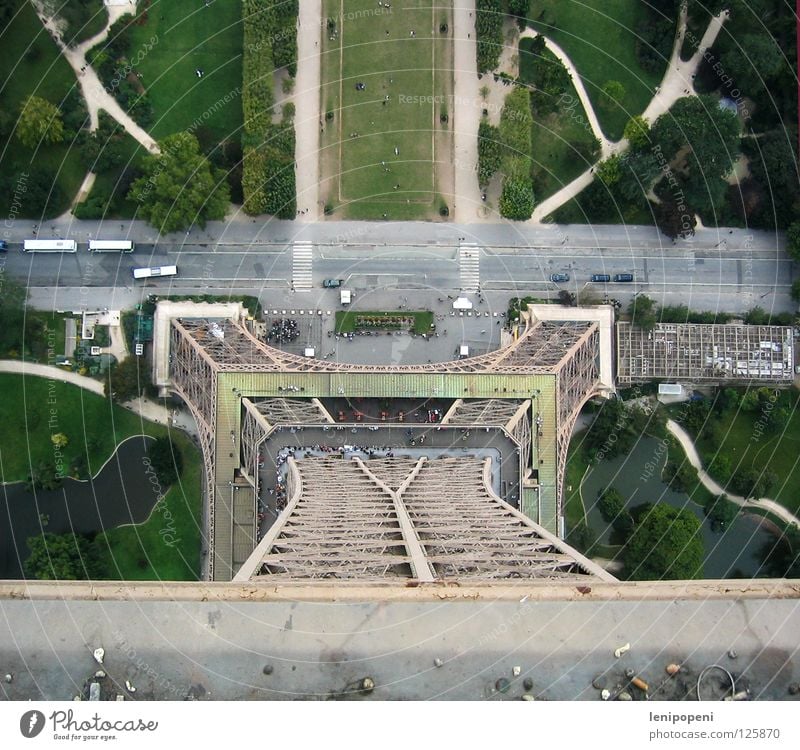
x,y
121,493
735,549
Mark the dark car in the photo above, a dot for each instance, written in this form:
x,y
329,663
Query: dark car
x,y
332,283
3,246
623,277
558,277
600,277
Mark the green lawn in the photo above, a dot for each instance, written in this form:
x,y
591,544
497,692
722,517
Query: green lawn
x,y
384,154
739,436
166,547
563,143
208,37
347,321
32,64
94,427
600,38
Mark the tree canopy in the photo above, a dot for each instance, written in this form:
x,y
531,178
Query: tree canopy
x,y
665,544
39,123
180,187
61,557
166,459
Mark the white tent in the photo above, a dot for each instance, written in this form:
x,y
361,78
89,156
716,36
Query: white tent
x,y
462,303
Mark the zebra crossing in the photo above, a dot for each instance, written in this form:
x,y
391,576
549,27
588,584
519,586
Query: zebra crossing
x,y
469,263
302,262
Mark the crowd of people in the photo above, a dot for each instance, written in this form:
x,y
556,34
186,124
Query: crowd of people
x,y
283,331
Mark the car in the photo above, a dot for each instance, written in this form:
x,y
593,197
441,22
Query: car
x,y
600,277
3,246
557,277
332,283
623,277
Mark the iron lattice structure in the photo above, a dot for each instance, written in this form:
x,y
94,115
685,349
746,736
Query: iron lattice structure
x,y
241,389
397,517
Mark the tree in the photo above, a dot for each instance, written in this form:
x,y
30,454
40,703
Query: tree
x,y
610,170
179,186
166,459
44,476
516,198
754,482
642,310
753,61
39,122
793,240
126,380
665,544
59,440
720,511
637,132
613,94
489,33
490,151
61,557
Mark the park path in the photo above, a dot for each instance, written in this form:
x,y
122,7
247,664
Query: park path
x,y
307,119
764,503
678,82
94,93
467,201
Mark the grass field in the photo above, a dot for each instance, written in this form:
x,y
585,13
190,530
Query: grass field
x,y
384,151
563,143
94,427
32,64
208,37
347,320
600,38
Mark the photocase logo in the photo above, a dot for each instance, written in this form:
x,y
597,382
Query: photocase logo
x,y
31,723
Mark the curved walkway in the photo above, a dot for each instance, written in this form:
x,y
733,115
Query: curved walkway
x,y
52,373
677,83
94,93
763,503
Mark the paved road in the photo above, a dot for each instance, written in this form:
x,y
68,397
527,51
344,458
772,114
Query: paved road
x,y
716,270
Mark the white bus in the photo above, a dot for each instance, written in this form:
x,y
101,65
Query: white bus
x,y
110,246
50,246
146,273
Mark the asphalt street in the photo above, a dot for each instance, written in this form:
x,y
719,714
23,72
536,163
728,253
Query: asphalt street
x,y
730,270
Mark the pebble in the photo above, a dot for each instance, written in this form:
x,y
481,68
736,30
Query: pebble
x,y
794,688
502,685
99,674
437,662
10,677
732,654
605,694
268,668
599,682
673,669
368,684
528,697
629,673
622,650
99,655
527,683
623,696
516,671
130,688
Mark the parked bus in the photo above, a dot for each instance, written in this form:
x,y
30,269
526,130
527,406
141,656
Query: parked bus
x,y
110,246
50,246
146,273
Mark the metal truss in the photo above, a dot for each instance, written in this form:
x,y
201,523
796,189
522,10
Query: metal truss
x,y
412,518
489,412
538,350
293,411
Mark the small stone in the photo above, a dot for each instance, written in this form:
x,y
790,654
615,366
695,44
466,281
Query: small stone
x,y
605,694
502,685
129,687
368,684
623,696
599,682
99,674
99,655
629,673
527,683
732,654
437,662
528,697
673,669
622,650
268,668
794,688
9,678
515,671
120,698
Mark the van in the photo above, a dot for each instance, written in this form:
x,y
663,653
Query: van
x,y
623,277
600,277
